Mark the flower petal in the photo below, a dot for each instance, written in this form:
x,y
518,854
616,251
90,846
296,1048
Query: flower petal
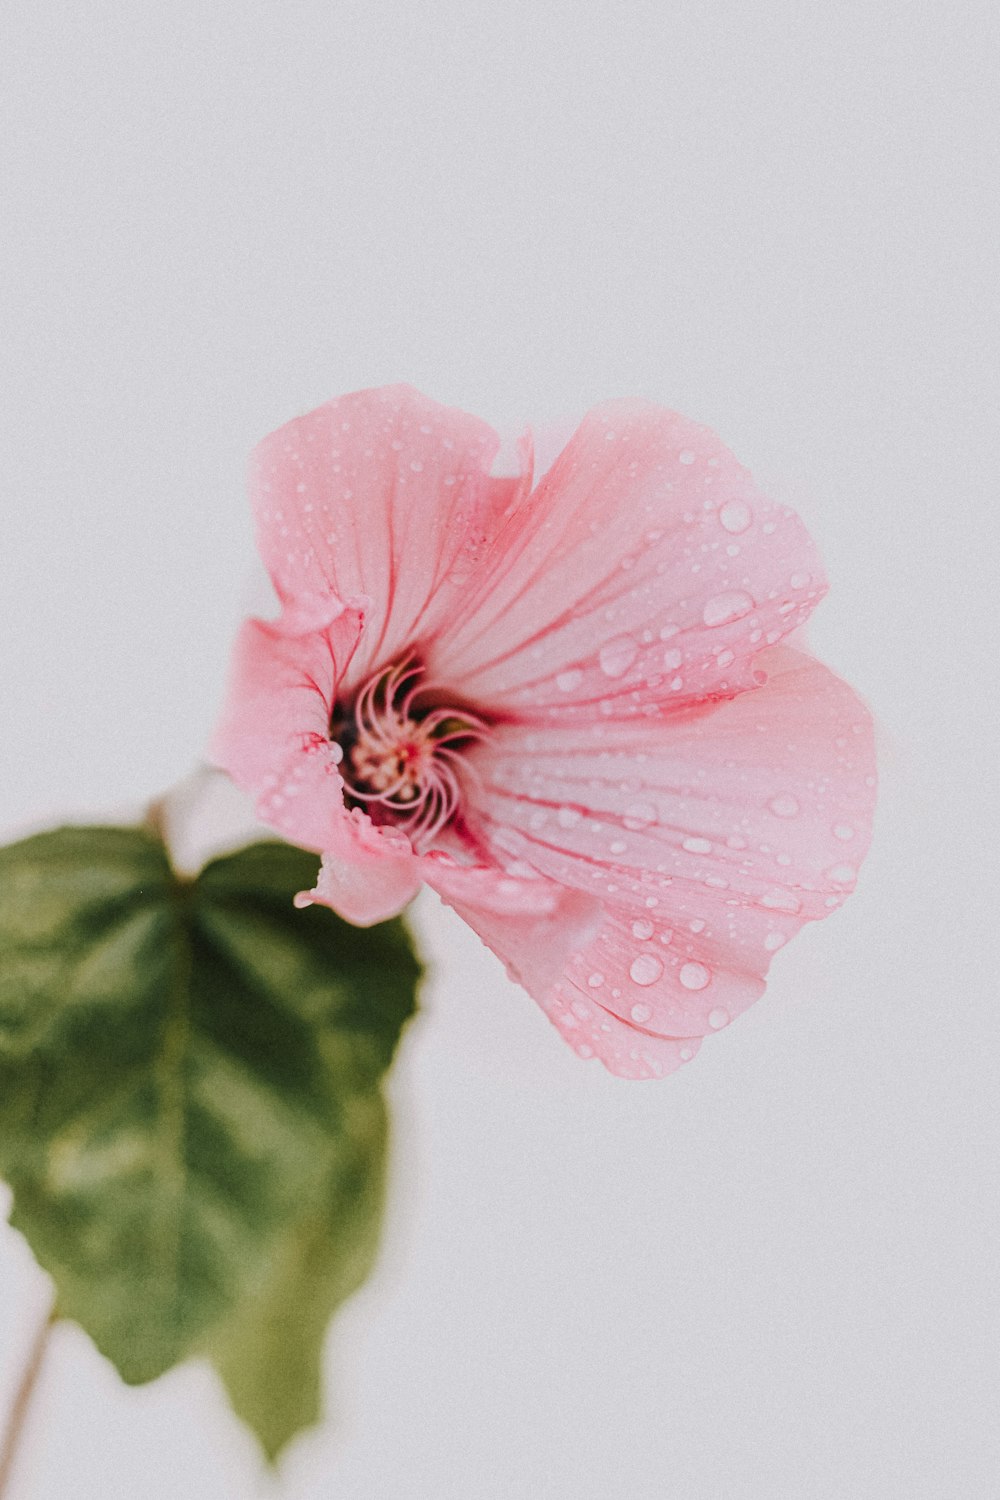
x,y
646,570
624,1049
710,836
273,733
368,874
533,925
383,494
273,739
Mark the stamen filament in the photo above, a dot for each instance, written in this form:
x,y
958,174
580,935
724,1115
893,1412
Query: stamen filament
x,y
402,762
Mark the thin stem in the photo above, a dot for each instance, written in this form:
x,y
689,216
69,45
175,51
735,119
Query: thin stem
x,y
22,1400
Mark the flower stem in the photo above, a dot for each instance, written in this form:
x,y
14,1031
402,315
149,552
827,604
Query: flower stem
x,y
17,1417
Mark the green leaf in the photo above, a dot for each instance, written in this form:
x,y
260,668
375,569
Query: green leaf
x,y
269,1352
191,1116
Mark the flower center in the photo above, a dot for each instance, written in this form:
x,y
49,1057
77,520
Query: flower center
x,y
401,759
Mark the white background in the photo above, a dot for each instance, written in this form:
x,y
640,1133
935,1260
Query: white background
x,y
773,1277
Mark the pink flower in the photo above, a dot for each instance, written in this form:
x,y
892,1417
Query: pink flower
x,y
564,708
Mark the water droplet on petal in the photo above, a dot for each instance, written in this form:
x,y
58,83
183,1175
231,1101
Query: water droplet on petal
x,y
843,831
685,456
718,1018
697,846
694,976
781,901
568,817
638,815
643,929
784,805
618,655
842,874
567,681
646,969
722,608
735,516
774,940
641,1013
595,981
618,847
672,659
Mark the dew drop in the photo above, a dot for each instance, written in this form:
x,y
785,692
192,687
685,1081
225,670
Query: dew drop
x,y
568,817
618,655
735,516
774,940
781,901
672,659
843,831
694,976
718,1018
618,847
641,1013
685,456
842,874
784,805
646,969
697,846
643,929
731,605
567,681
595,981
638,815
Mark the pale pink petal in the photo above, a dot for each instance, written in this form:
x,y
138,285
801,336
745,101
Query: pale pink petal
x,y
273,733
542,932
624,1049
533,925
368,874
710,836
660,980
646,570
383,494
